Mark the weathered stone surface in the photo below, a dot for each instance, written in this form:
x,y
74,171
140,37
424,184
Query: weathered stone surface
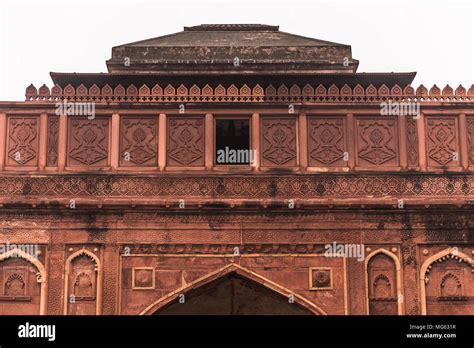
x,y
131,213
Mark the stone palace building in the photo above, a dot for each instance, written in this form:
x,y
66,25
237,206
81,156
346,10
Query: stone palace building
x,y
237,169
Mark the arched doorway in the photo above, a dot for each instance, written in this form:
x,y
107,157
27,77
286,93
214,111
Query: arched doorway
x,y
233,290
232,294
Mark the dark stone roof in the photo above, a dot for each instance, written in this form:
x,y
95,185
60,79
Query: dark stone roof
x,y
340,79
213,48
205,54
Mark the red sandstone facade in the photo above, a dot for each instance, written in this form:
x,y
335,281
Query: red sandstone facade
x,y
132,214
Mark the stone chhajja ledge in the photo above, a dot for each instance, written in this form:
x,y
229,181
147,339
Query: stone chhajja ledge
x,y
244,94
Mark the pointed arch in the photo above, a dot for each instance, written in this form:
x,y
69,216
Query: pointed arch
x,y
98,270
448,252
398,276
239,270
40,276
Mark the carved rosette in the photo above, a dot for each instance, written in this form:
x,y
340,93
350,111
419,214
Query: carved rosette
x,y
377,142
185,141
441,142
278,142
88,142
22,141
326,142
138,141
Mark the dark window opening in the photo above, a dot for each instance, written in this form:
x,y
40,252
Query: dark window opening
x,y
233,142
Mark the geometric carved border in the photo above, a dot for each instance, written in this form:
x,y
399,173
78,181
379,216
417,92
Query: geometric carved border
x,y
236,186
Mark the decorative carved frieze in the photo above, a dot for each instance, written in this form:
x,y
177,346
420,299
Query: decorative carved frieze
x,y
185,141
22,141
278,139
138,141
221,249
88,141
326,140
251,94
247,187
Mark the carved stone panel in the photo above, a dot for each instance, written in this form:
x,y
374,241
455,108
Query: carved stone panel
x,y
20,291
320,278
143,278
442,142
326,139
185,141
470,139
377,142
88,143
138,141
278,142
22,141
382,283
52,143
82,286
449,288
412,142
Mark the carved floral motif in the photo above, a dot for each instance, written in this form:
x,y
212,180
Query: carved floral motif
x,y
88,141
377,141
22,140
186,141
278,142
441,141
138,141
326,141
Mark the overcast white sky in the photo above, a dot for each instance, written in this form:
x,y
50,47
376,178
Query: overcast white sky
x,y
434,38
